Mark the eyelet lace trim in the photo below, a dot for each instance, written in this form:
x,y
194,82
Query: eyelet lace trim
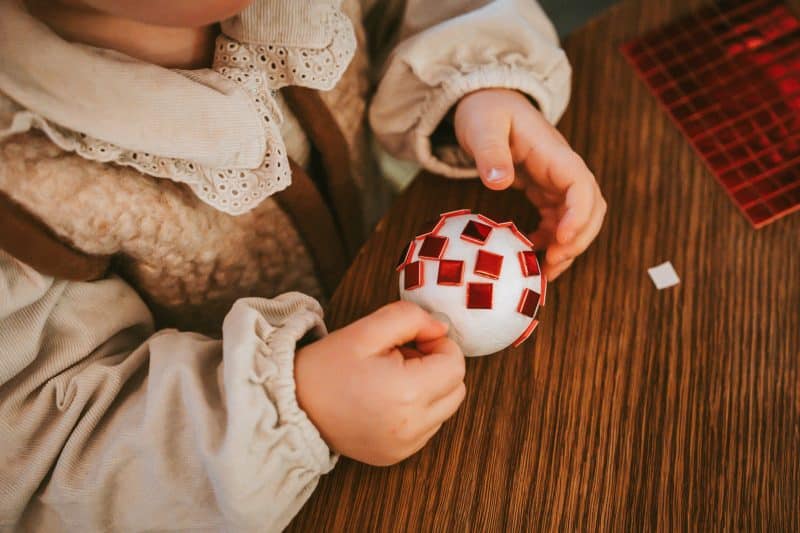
x,y
260,69
316,68
231,190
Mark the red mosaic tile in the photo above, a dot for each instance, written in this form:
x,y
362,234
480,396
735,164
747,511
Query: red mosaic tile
x,y
479,295
528,303
529,263
450,272
729,77
488,264
487,220
525,334
521,236
406,255
433,247
414,275
429,227
517,233
476,232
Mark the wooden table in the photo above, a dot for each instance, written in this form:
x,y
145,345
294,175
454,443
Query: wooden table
x,y
630,408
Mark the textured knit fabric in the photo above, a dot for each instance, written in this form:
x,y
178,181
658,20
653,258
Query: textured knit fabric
x,y
108,425
190,261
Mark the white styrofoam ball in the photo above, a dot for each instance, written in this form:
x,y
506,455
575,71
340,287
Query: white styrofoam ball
x,y
457,237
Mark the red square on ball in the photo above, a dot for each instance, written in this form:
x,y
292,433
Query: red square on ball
x,y
476,232
479,295
450,272
414,275
488,264
405,256
529,263
432,247
528,303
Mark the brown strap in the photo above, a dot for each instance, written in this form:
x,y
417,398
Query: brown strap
x,y
315,224
326,136
332,240
28,239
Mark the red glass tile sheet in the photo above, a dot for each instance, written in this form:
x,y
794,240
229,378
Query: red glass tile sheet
x,y
528,263
414,275
488,264
450,272
476,232
525,334
729,76
528,303
432,247
479,295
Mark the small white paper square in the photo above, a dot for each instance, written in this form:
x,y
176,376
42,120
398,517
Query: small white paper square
x,y
663,275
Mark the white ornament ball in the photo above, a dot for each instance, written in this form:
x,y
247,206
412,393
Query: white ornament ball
x,y
479,276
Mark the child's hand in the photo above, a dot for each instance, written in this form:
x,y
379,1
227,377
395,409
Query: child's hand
x,y
373,400
501,128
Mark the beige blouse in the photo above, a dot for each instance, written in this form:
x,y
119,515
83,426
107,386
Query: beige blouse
x,y
108,425
225,139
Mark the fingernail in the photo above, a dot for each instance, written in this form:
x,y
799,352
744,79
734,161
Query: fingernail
x,y
568,235
496,175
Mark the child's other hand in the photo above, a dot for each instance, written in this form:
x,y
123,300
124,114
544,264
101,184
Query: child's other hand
x,y
502,129
373,399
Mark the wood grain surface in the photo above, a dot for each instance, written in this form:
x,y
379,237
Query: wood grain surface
x,y
630,409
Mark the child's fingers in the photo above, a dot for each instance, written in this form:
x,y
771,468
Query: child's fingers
x,y
487,140
544,235
542,238
541,197
551,272
494,165
443,408
561,251
391,325
567,168
551,163
437,374
408,352
520,182
582,200
441,344
423,440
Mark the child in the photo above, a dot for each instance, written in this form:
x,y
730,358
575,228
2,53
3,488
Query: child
x,y
199,159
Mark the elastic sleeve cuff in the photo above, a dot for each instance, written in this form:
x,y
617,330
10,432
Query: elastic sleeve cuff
x,y
280,325
551,96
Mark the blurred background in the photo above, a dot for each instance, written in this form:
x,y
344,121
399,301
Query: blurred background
x,y
569,15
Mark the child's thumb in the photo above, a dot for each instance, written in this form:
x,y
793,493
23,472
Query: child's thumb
x,y
489,146
390,326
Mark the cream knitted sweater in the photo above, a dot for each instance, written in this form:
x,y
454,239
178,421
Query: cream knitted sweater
x,y
109,425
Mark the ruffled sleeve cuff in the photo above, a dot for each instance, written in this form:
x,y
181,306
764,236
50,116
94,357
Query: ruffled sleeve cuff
x,y
280,324
275,452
